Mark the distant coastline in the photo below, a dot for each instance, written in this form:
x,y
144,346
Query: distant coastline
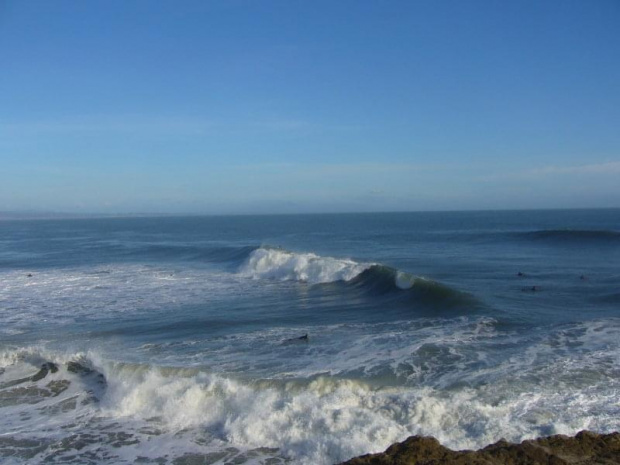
x,y
43,215
57,215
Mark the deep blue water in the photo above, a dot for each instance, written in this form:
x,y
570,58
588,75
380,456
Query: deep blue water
x,y
469,326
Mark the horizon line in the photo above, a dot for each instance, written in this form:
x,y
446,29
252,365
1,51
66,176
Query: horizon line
x,y
17,215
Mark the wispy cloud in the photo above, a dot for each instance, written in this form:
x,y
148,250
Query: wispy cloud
x,y
374,168
94,124
338,169
612,167
103,124
281,125
603,169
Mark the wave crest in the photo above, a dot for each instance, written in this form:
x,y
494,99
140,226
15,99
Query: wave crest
x,y
581,235
306,267
371,278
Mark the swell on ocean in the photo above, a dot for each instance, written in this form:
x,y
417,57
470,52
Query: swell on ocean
x,y
179,340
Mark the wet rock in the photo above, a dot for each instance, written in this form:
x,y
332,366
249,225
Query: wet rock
x,y
46,368
59,386
14,382
585,448
23,395
156,460
79,369
199,459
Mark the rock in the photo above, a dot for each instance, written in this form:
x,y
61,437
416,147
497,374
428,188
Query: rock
x,y
57,387
79,369
45,369
586,448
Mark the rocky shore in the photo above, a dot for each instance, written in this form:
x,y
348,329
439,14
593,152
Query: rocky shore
x,y
586,448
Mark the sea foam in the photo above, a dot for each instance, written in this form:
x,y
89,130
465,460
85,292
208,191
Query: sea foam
x,y
307,267
148,411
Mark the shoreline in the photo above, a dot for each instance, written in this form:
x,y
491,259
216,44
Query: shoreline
x,y
585,448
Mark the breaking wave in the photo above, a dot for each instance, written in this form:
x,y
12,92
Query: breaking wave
x,y
376,279
279,264
384,280
130,413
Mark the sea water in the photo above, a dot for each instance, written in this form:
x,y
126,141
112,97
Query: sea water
x,y
305,339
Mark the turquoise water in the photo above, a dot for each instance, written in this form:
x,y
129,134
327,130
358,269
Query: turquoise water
x,y
468,326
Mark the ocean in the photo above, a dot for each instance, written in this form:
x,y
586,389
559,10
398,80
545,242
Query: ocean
x,y
304,339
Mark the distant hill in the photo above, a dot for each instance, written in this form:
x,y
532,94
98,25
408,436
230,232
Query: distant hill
x,y
46,215
32,215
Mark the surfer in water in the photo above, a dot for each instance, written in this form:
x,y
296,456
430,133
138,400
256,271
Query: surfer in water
x,y
293,340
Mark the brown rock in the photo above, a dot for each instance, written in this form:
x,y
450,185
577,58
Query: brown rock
x,y
585,448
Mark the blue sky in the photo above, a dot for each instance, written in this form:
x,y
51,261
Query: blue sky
x,y
316,106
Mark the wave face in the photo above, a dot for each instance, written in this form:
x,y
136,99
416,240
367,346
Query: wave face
x,y
271,263
380,280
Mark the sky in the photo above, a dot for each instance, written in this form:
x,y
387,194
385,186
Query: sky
x,y
217,107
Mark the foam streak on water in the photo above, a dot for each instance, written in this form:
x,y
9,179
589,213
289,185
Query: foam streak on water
x,y
69,295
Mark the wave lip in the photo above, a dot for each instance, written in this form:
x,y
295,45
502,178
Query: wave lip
x,y
273,263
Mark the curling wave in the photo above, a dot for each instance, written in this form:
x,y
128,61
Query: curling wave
x,y
383,280
372,278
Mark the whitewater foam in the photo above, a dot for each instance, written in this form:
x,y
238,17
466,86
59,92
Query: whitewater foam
x,y
307,267
147,411
69,295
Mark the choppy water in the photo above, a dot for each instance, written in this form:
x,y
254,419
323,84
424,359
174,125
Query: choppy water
x,y
177,340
